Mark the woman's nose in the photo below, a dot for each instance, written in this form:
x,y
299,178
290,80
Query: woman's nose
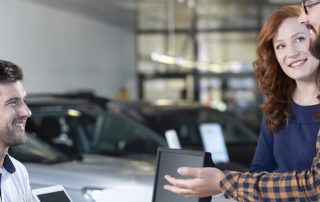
x,y
293,51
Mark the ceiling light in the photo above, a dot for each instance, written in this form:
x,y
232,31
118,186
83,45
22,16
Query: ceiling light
x,y
186,63
163,58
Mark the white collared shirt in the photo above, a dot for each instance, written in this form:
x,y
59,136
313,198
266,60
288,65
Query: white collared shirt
x,y
15,185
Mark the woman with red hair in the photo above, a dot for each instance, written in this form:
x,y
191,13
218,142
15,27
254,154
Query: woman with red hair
x,y
286,166
289,77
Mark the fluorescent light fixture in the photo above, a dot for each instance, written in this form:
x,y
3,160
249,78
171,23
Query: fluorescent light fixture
x,y
218,68
162,102
163,58
185,63
182,62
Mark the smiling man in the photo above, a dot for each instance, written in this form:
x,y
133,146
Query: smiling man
x,y
13,116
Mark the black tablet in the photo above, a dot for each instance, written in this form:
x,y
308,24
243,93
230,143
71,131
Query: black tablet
x,y
168,161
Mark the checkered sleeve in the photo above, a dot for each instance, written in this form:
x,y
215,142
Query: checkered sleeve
x,y
263,186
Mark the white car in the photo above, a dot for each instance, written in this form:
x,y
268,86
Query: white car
x,y
82,179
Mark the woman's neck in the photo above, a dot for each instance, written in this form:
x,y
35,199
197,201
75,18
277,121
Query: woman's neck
x,y
306,94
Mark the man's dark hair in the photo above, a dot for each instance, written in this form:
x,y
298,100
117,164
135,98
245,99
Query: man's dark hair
x,y
10,72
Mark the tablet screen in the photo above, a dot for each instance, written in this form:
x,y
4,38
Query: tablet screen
x,y
54,197
168,161
55,193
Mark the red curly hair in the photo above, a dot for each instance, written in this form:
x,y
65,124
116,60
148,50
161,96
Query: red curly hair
x,y
274,83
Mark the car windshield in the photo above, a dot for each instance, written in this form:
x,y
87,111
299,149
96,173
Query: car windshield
x,y
119,135
36,151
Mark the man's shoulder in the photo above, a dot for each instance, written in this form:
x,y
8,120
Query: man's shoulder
x,y
18,184
17,164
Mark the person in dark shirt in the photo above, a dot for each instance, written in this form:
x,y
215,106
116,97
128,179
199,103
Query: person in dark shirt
x,y
290,80
289,76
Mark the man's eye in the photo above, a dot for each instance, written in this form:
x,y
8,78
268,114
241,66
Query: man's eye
x,y
12,102
301,38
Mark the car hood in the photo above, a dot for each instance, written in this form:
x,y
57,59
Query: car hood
x,y
146,166
78,175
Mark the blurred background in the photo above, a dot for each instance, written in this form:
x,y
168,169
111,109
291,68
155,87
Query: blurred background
x,y
199,50
146,67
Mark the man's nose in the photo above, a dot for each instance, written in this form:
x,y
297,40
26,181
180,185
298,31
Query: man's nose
x,y
25,111
303,18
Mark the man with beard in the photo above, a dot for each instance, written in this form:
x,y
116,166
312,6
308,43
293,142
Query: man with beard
x,y
292,185
311,18
13,116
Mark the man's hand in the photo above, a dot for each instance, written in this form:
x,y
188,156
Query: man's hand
x,y
204,182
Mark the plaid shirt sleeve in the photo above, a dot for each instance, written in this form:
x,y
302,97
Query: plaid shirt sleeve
x,y
263,186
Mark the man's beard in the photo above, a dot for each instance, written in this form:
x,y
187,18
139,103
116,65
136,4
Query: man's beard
x,y
314,44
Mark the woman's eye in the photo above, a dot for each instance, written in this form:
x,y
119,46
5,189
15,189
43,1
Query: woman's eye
x,y
280,46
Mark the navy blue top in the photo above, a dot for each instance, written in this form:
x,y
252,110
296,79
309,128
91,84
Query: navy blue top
x,y
293,147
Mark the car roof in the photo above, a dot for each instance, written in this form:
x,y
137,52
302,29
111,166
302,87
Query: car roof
x,y
40,101
52,100
149,108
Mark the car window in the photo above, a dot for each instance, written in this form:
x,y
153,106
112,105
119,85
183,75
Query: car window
x,y
89,131
119,135
187,122
233,128
57,129
184,124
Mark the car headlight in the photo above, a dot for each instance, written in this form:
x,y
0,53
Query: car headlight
x,y
91,194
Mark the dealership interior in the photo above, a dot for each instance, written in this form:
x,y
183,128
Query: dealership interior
x,y
115,84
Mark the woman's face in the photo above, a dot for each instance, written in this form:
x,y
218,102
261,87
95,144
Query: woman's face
x,y
291,44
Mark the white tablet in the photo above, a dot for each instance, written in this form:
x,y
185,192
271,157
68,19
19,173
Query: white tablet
x,y
51,194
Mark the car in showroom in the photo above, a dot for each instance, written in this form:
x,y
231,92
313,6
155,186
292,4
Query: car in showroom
x,y
189,120
79,126
83,181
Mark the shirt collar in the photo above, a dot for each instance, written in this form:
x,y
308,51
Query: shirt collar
x,y
8,165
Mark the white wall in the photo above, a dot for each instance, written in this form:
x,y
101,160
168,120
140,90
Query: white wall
x,y
62,51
